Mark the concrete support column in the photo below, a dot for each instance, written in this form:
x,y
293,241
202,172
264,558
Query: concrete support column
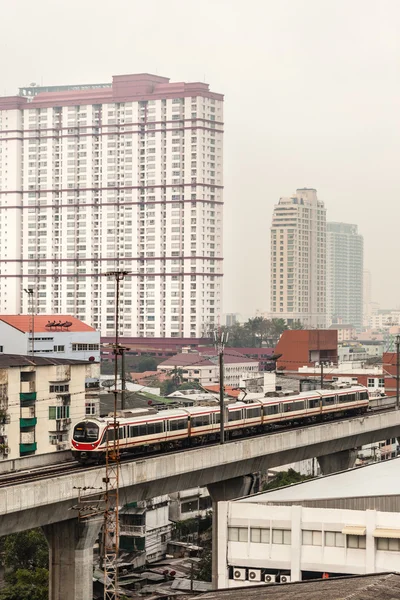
x,y
220,492
71,558
338,461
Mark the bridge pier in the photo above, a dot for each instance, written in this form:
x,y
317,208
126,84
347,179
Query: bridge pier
x,y
220,491
337,461
71,558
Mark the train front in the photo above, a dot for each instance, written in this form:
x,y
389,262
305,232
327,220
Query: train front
x,y
86,440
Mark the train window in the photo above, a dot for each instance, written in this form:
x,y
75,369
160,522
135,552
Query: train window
x,y
110,435
133,431
252,413
143,429
234,415
363,395
154,428
122,433
293,406
79,432
200,421
329,401
347,398
271,409
217,417
176,424
313,403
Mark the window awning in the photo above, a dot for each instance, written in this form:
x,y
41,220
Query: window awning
x,y
354,530
387,533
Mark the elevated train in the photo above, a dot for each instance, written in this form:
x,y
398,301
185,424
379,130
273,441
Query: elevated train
x,y
144,431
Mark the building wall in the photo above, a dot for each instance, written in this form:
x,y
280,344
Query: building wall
x,y
126,177
39,420
298,259
345,262
302,551
306,347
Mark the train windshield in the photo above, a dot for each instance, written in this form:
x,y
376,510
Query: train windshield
x,y
86,432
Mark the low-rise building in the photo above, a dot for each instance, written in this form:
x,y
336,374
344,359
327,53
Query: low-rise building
x,y
61,336
347,523
189,504
345,332
39,400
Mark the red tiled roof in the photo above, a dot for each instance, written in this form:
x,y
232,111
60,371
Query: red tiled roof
x,y
187,359
229,390
23,323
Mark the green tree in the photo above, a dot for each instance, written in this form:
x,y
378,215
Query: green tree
x,y
168,387
27,584
297,324
190,385
283,478
204,567
147,363
26,550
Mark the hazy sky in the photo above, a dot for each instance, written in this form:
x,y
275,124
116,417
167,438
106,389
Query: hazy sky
x,y
312,99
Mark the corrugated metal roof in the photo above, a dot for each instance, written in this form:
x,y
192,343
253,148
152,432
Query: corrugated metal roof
x,y
384,586
17,360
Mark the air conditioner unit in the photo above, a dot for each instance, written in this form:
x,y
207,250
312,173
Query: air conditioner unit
x,y
239,574
285,579
270,578
254,575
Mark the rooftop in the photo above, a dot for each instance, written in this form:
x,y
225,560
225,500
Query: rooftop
x,y
45,323
17,360
377,479
383,586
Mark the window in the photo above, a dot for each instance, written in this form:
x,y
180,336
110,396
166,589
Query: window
x,y
200,421
59,388
90,408
251,413
393,545
293,406
58,412
312,538
328,401
381,380
271,409
176,424
238,534
1,349
81,347
259,536
356,541
281,536
313,403
371,383
334,539
234,415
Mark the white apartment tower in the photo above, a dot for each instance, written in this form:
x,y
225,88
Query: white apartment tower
x,y
298,259
122,176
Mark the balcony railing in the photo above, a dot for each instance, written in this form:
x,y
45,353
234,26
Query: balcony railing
x,y
132,529
27,422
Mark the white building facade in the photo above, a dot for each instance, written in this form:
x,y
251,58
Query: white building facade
x,y
260,543
298,259
122,176
60,336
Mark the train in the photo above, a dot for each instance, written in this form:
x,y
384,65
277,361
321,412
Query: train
x,y
146,430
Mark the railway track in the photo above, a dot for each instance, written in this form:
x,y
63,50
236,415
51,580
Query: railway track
x,y
67,468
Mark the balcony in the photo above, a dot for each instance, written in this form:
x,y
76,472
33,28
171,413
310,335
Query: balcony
x,y
27,448
26,397
27,422
132,529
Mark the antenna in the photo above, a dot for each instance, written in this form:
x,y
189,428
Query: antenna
x,y
31,307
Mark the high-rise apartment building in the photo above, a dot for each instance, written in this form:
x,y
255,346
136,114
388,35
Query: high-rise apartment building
x,y
121,176
344,284
298,259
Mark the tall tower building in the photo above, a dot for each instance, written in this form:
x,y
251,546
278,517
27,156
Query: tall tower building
x,y
120,176
298,259
345,250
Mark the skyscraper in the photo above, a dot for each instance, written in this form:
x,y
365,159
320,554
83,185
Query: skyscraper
x,y
345,248
120,176
298,259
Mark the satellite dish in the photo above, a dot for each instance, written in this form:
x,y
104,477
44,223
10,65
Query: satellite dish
x,y
107,383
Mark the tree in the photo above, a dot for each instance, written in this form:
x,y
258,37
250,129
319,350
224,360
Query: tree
x,y
26,550
147,363
168,387
204,567
297,324
27,584
283,478
190,385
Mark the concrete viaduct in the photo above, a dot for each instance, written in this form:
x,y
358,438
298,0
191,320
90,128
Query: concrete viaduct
x,y
50,502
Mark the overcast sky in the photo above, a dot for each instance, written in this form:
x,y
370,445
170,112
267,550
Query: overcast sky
x,y
312,99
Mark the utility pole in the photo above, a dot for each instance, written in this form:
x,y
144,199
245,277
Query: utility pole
x,y
220,339
31,304
111,513
397,372
322,375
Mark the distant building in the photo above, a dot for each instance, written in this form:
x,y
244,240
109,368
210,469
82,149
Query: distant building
x,y
347,523
298,259
299,347
345,332
344,274
385,319
39,399
231,319
203,367
60,336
